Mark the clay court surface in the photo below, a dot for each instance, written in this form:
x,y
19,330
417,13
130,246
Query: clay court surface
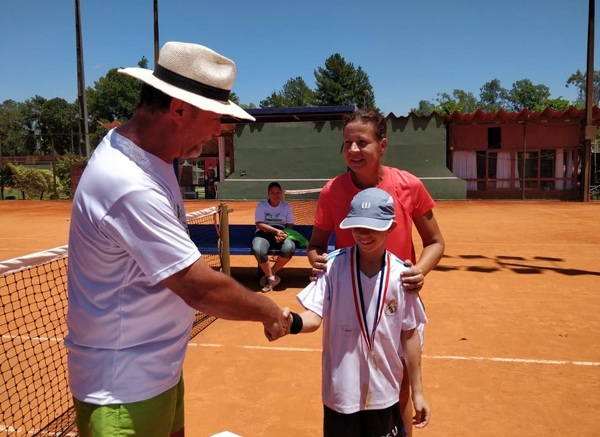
x,y
512,348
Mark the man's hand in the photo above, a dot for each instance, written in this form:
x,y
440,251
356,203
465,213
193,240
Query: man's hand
x,y
319,266
279,327
412,279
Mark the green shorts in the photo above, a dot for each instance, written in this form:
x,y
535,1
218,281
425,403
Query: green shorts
x,y
159,416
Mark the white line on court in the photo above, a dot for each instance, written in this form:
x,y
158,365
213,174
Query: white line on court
x,y
432,357
304,349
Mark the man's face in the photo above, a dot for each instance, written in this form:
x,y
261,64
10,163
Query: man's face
x,y
199,127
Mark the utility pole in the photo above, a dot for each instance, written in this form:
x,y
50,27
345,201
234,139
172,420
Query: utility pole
x,y
590,129
156,49
83,115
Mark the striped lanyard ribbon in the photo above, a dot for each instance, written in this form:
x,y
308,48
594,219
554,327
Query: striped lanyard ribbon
x,y
359,303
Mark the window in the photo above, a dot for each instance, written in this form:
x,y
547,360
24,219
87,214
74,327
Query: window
x,y
494,138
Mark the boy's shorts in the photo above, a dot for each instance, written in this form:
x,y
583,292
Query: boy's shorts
x,y
384,422
159,416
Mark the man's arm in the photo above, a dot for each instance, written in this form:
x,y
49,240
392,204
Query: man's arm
x,y
219,295
411,345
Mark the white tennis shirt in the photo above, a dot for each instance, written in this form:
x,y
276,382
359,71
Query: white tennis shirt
x,y
352,378
128,333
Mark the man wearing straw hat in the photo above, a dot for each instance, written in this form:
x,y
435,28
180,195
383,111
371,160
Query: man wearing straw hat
x,y
135,278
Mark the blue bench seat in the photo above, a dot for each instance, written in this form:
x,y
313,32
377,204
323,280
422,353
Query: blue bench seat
x,y
240,239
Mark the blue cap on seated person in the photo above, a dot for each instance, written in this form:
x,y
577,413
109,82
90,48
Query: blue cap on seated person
x,y
372,208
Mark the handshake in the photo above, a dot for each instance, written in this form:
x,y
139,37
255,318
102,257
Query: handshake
x,y
280,327
290,323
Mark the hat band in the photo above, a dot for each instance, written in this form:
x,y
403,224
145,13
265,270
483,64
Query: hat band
x,y
190,85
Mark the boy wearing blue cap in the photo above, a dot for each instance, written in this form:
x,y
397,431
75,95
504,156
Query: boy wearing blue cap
x,y
369,324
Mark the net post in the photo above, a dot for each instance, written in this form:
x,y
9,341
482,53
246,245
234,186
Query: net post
x,y
224,229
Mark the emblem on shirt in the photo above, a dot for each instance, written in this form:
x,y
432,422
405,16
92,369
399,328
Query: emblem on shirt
x,y
391,307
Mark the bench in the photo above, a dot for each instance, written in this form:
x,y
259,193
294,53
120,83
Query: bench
x,y
240,239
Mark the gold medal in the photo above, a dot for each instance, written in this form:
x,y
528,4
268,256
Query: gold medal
x,y
373,359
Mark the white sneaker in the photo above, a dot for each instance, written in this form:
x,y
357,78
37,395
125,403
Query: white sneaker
x,y
270,284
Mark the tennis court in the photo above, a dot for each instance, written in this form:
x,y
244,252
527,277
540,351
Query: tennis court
x,y
513,345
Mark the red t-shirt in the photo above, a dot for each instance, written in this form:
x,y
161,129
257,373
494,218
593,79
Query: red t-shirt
x,y
411,199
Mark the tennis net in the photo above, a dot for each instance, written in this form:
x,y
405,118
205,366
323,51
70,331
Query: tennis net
x,y
304,204
34,394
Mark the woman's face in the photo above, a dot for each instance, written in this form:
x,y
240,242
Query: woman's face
x,y
362,150
275,196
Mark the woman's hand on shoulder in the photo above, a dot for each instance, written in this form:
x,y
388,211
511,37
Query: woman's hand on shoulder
x,y
412,279
319,266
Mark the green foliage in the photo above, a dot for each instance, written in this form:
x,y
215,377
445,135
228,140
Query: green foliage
x,y
295,94
492,96
425,108
579,80
524,94
340,83
114,97
57,126
32,182
6,178
63,171
12,129
460,101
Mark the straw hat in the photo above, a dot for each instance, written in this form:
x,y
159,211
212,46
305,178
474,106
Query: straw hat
x,y
195,74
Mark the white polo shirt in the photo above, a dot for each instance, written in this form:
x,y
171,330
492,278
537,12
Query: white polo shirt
x,y
128,333
354,379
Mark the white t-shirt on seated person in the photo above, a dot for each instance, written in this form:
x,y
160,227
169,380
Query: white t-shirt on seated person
x,y
277,216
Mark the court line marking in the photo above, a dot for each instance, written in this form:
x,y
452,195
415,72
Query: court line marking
x,y
305,349
432,357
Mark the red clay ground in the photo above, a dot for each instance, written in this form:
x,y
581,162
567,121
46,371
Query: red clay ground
x,y
512,348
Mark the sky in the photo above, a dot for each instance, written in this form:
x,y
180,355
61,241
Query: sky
x,y
410,49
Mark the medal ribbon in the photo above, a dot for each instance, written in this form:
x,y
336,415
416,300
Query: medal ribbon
x,y
359,303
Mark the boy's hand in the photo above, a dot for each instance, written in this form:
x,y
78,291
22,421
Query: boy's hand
x,y
422,411
319,266
412,279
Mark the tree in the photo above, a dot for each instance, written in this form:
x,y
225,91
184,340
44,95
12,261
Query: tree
x,y
32,183
6,178
524,94
461,101
579,80
339,83
63,171
295,94
425,108
558,104
12,129
114,97
57,126
235,99
492,96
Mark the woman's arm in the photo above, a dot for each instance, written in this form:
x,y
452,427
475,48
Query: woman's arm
x,y
433,250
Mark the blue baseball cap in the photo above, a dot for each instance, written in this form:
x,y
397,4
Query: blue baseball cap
x,y
372,208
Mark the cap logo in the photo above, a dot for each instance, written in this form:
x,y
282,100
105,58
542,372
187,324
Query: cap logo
x,y
365,205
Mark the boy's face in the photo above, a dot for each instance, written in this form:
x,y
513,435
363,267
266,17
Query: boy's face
x,y
369,240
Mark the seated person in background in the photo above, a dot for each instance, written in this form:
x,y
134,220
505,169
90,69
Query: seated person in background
x,y
272,216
